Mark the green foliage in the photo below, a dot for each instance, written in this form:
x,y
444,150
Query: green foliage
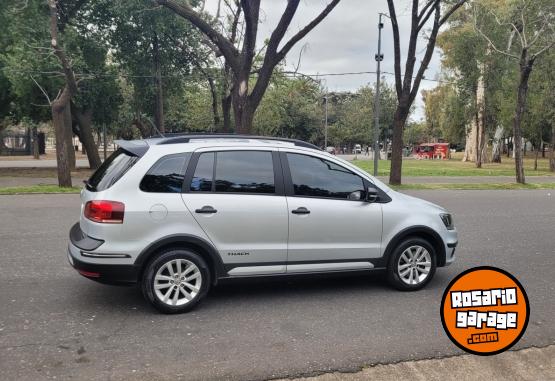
x,y
291,108
135,29
352,116
446,115
29,63
467,56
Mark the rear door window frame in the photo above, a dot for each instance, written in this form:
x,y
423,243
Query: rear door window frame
x,y
277,168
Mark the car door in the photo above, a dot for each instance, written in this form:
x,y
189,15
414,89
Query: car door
x,y
328,230
237,197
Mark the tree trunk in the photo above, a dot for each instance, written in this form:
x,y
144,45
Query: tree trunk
x,y
58,120
159,112
481,120
215,111
552,150
68,132
536,158
399,121
242,110
479,139
525,70
497,143
34,132
470,144
143,130
226,113
84,119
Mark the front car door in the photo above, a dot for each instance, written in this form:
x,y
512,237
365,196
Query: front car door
x,y
237,197
327,229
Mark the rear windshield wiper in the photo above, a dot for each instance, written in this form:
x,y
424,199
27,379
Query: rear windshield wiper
x,y
89,186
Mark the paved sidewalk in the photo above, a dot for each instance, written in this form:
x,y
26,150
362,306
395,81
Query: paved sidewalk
x,y
43,163
527,364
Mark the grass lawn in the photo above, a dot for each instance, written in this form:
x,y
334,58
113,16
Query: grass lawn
x,y
38,189
482,186
455,167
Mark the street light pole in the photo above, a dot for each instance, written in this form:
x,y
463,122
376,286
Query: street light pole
x,y
326,124
379,59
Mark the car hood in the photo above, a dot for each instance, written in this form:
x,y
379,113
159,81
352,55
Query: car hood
x,y
418,201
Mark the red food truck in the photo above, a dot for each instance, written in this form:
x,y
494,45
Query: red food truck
x,y
432,151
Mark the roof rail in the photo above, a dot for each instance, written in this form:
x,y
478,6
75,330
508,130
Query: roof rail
x,y
186,138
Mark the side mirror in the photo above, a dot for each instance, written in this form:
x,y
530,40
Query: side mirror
x,y
356,196
371,194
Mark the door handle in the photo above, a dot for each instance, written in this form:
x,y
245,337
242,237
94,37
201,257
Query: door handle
x,y
206,209
301,210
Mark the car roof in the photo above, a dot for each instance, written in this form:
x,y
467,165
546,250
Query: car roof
x,y
192,142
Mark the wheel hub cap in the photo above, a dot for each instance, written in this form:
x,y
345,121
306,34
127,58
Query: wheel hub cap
x,y
177,282
414,265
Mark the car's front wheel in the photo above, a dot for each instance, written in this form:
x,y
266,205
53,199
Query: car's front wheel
x,y
412,264
176,281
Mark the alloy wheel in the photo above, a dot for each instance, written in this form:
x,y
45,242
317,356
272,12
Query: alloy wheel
x,y
177,282
414,265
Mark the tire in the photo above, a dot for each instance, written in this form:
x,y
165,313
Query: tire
x,y
419,272
182,293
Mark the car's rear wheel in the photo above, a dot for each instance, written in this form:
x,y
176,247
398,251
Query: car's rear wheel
x,y
412,264
176,281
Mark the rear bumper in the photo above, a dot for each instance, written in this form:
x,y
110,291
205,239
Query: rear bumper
x,y
108,274
88,265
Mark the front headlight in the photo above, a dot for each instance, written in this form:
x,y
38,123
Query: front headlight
x,y
447,221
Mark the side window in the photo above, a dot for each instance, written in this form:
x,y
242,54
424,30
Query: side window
x,y
204,173
316,177
245,172
166,175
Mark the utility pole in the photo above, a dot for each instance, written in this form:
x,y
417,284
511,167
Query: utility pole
x,y
379,59
326,124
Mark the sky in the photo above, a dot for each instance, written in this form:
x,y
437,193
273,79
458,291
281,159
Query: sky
x,y
345,41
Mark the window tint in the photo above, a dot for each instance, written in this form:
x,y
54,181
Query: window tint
x,y
204,173
166,175
111,170
245,172
321,178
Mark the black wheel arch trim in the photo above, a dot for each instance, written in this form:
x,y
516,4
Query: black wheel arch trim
x,y
187,239
417,231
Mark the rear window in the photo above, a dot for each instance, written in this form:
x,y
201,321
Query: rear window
x,y
113,168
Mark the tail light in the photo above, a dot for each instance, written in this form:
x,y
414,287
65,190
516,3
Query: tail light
x,y
106,212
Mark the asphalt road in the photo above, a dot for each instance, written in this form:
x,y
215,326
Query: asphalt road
x,y
56,324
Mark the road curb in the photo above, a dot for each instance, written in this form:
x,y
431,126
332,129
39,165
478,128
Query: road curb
x,y
526,364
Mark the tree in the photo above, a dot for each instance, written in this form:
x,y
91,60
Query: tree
x,y
407,87
241,60
445,112
532,24
149,46
60,105
291,108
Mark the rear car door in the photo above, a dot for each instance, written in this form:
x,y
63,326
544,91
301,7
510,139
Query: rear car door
x,y
327,229
237,197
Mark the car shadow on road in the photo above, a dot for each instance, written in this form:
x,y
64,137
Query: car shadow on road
x,y
229,295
